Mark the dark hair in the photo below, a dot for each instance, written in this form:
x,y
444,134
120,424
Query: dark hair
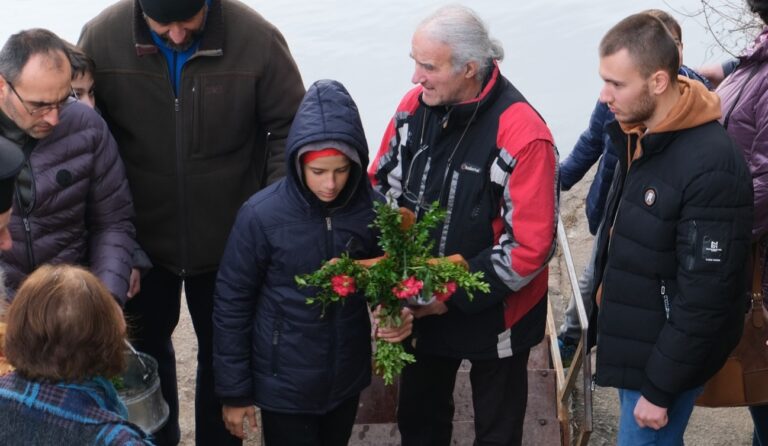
x,y
648,42
20,47
759,7
668,21
82,63
64,325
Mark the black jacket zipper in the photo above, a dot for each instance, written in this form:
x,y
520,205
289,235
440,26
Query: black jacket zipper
x,y
664,296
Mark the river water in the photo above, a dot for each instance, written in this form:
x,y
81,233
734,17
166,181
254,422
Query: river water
x,y
550,45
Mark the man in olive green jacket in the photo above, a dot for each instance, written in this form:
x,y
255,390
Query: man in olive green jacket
x,y
199,95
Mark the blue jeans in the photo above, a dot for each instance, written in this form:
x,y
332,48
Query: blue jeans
x,y
678,413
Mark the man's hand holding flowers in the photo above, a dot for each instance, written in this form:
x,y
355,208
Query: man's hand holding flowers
x,y
393,334
407,272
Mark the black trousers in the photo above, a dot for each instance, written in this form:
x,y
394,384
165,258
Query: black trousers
x,y
330,429
499,397
152,316
760,418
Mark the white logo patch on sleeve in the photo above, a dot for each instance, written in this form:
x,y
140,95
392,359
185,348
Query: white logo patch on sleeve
x,y
711,250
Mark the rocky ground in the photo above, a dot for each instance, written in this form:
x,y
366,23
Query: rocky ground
x,y
708,427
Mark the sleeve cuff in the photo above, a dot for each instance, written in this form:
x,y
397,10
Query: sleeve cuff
x,y
237,402
656,395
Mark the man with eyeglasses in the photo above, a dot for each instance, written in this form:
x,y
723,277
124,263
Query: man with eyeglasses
x,y
72,203
200,95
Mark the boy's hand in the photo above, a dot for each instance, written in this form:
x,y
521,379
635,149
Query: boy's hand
x,y
234,418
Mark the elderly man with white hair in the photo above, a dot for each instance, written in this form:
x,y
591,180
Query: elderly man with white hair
x,y
466,138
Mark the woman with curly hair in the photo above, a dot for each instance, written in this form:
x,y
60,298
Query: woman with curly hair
x,y
65,337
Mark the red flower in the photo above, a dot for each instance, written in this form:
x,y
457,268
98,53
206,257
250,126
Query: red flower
x,y
443,293
343,285
407,288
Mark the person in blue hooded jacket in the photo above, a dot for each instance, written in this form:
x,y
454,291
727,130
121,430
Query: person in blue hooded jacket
x,y
303,369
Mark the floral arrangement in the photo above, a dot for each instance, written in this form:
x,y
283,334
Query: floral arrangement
x,y
406,274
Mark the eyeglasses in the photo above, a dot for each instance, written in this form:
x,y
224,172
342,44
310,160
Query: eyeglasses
x,y
416,200
40,108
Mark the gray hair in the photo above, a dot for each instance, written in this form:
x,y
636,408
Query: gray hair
x,y
20,47
467,35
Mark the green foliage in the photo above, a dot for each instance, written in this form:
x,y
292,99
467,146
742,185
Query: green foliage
x,y
390,360
118,382
408,256
324,294
444,272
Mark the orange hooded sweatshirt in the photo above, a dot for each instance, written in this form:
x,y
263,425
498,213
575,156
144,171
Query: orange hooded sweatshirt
x,y
696,106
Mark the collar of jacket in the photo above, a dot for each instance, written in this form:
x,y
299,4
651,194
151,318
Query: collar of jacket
x,y
10,131
695,107
211,43
70,399
458,115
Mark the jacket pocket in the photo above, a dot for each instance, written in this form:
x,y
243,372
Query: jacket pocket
x,y
223,115
485,188
276,347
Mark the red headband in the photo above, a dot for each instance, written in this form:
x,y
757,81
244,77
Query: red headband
x,y
311,156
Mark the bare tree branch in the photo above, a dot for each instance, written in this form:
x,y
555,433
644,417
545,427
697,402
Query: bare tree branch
x,y
730,22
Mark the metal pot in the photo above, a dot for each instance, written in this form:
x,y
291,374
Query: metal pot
x,y
141,393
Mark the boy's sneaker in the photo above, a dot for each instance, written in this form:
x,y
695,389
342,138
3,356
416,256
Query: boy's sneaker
x,y
567,349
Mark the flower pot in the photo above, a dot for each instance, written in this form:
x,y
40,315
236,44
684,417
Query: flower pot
x,y
141,393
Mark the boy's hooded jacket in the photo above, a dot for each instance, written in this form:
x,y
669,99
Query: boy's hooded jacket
x,y
271,348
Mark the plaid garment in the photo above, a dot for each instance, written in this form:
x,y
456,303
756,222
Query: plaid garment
x,y
36,413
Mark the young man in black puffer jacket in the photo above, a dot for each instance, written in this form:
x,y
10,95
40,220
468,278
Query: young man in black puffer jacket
x,y
673,243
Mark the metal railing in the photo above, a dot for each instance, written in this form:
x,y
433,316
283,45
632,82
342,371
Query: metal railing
x,y
581,359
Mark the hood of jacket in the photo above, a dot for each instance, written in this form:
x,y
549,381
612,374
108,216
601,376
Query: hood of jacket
x,y
758,50
328,113
696,106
